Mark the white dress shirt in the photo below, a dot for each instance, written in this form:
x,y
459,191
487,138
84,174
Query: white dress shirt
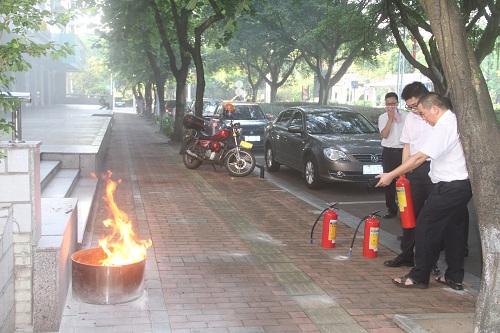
x,y
444,148
415,132
393,139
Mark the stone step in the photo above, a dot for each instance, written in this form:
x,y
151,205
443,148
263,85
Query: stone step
x,y
52,261
86,190
61,183
47,171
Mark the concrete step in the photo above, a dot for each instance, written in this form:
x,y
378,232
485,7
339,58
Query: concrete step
x,y
61,183
52,261
68,203
86,190
47,171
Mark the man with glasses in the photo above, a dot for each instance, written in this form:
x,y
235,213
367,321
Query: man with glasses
x,y
445,213
415,133
390,125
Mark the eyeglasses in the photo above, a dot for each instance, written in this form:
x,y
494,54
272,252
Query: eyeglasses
x,y
411,107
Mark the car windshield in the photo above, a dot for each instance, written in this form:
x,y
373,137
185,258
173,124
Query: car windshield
x,y
338,123
209,107
248,112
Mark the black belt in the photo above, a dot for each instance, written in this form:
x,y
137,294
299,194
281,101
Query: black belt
x,y
454,181
393,148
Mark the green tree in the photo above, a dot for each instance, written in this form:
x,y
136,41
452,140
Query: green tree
x,y
337,33
478,129
182,25
132,45
17,43
94,79
266,46
223,69
491,70
480,19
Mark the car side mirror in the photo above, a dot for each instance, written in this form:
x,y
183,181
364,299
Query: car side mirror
x,y
295,129
269,116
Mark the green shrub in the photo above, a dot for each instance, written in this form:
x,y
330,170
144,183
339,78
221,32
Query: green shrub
x,y
166,125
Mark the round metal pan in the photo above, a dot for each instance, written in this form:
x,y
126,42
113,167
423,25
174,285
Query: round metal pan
x,y
97,284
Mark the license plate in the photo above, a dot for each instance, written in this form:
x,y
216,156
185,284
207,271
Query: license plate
x,y
372,169
246,145
252,138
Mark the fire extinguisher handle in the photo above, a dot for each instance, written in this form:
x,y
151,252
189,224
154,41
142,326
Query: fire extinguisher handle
x,y
314,225
375,213
334,206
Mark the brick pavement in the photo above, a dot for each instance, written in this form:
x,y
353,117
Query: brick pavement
x,y
233,255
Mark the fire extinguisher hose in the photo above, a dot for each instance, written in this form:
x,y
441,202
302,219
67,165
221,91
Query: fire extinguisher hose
x,y
355,232
314,225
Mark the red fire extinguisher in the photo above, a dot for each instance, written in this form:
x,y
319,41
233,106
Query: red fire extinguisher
x,y
370,241
405,202
329,233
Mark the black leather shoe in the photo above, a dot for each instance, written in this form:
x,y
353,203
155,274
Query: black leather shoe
x,y
398,262
390,215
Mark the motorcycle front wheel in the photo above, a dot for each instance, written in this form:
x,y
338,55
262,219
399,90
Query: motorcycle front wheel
x,y
239,164
191,162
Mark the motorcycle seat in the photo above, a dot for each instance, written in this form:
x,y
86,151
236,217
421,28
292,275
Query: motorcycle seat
x,y
204,136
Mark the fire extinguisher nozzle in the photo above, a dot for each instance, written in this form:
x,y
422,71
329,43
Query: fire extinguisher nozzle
x,y
349,254
311,241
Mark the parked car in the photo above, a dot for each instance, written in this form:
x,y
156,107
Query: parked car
x,y
120,104
325,143
209,106
170,106
250,117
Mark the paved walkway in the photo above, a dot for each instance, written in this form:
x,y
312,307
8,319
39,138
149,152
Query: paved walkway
x,y
232,255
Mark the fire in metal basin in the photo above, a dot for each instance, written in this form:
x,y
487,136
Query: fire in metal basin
x,y
97,284
114,272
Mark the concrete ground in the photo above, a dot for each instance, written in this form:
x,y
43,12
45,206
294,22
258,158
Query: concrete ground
x,y
233,255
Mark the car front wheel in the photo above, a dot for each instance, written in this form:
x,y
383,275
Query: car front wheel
x,y
271,163
312,175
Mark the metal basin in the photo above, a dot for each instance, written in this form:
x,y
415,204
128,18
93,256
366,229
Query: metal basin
x,y
97,284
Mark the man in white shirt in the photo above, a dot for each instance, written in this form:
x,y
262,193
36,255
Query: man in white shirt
x,y
415,133
390,125
443,216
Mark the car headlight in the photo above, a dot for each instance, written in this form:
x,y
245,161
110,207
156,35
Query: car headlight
x,y
335,155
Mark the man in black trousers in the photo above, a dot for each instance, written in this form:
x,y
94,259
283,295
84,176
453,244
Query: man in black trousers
x,y
444,215
390,125
415,133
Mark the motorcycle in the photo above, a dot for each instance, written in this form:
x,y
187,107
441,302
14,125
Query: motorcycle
x,y
223,148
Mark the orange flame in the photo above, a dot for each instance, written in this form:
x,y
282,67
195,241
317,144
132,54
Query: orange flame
x,y
121,245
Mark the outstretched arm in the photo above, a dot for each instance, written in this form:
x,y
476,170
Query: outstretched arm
x,y
411,163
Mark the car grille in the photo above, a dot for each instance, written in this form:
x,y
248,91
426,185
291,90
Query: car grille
x,y
368,158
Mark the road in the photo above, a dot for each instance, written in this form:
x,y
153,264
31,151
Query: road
x,y
355,201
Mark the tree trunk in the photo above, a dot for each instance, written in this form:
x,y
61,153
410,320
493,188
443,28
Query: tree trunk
x,y
148,98
180,104
200,83
160,89
273,92
324,93
255,91
480,135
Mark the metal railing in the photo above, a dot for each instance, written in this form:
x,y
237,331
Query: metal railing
x,y
19,97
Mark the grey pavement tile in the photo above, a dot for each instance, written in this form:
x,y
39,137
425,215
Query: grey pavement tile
x,y
240,261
